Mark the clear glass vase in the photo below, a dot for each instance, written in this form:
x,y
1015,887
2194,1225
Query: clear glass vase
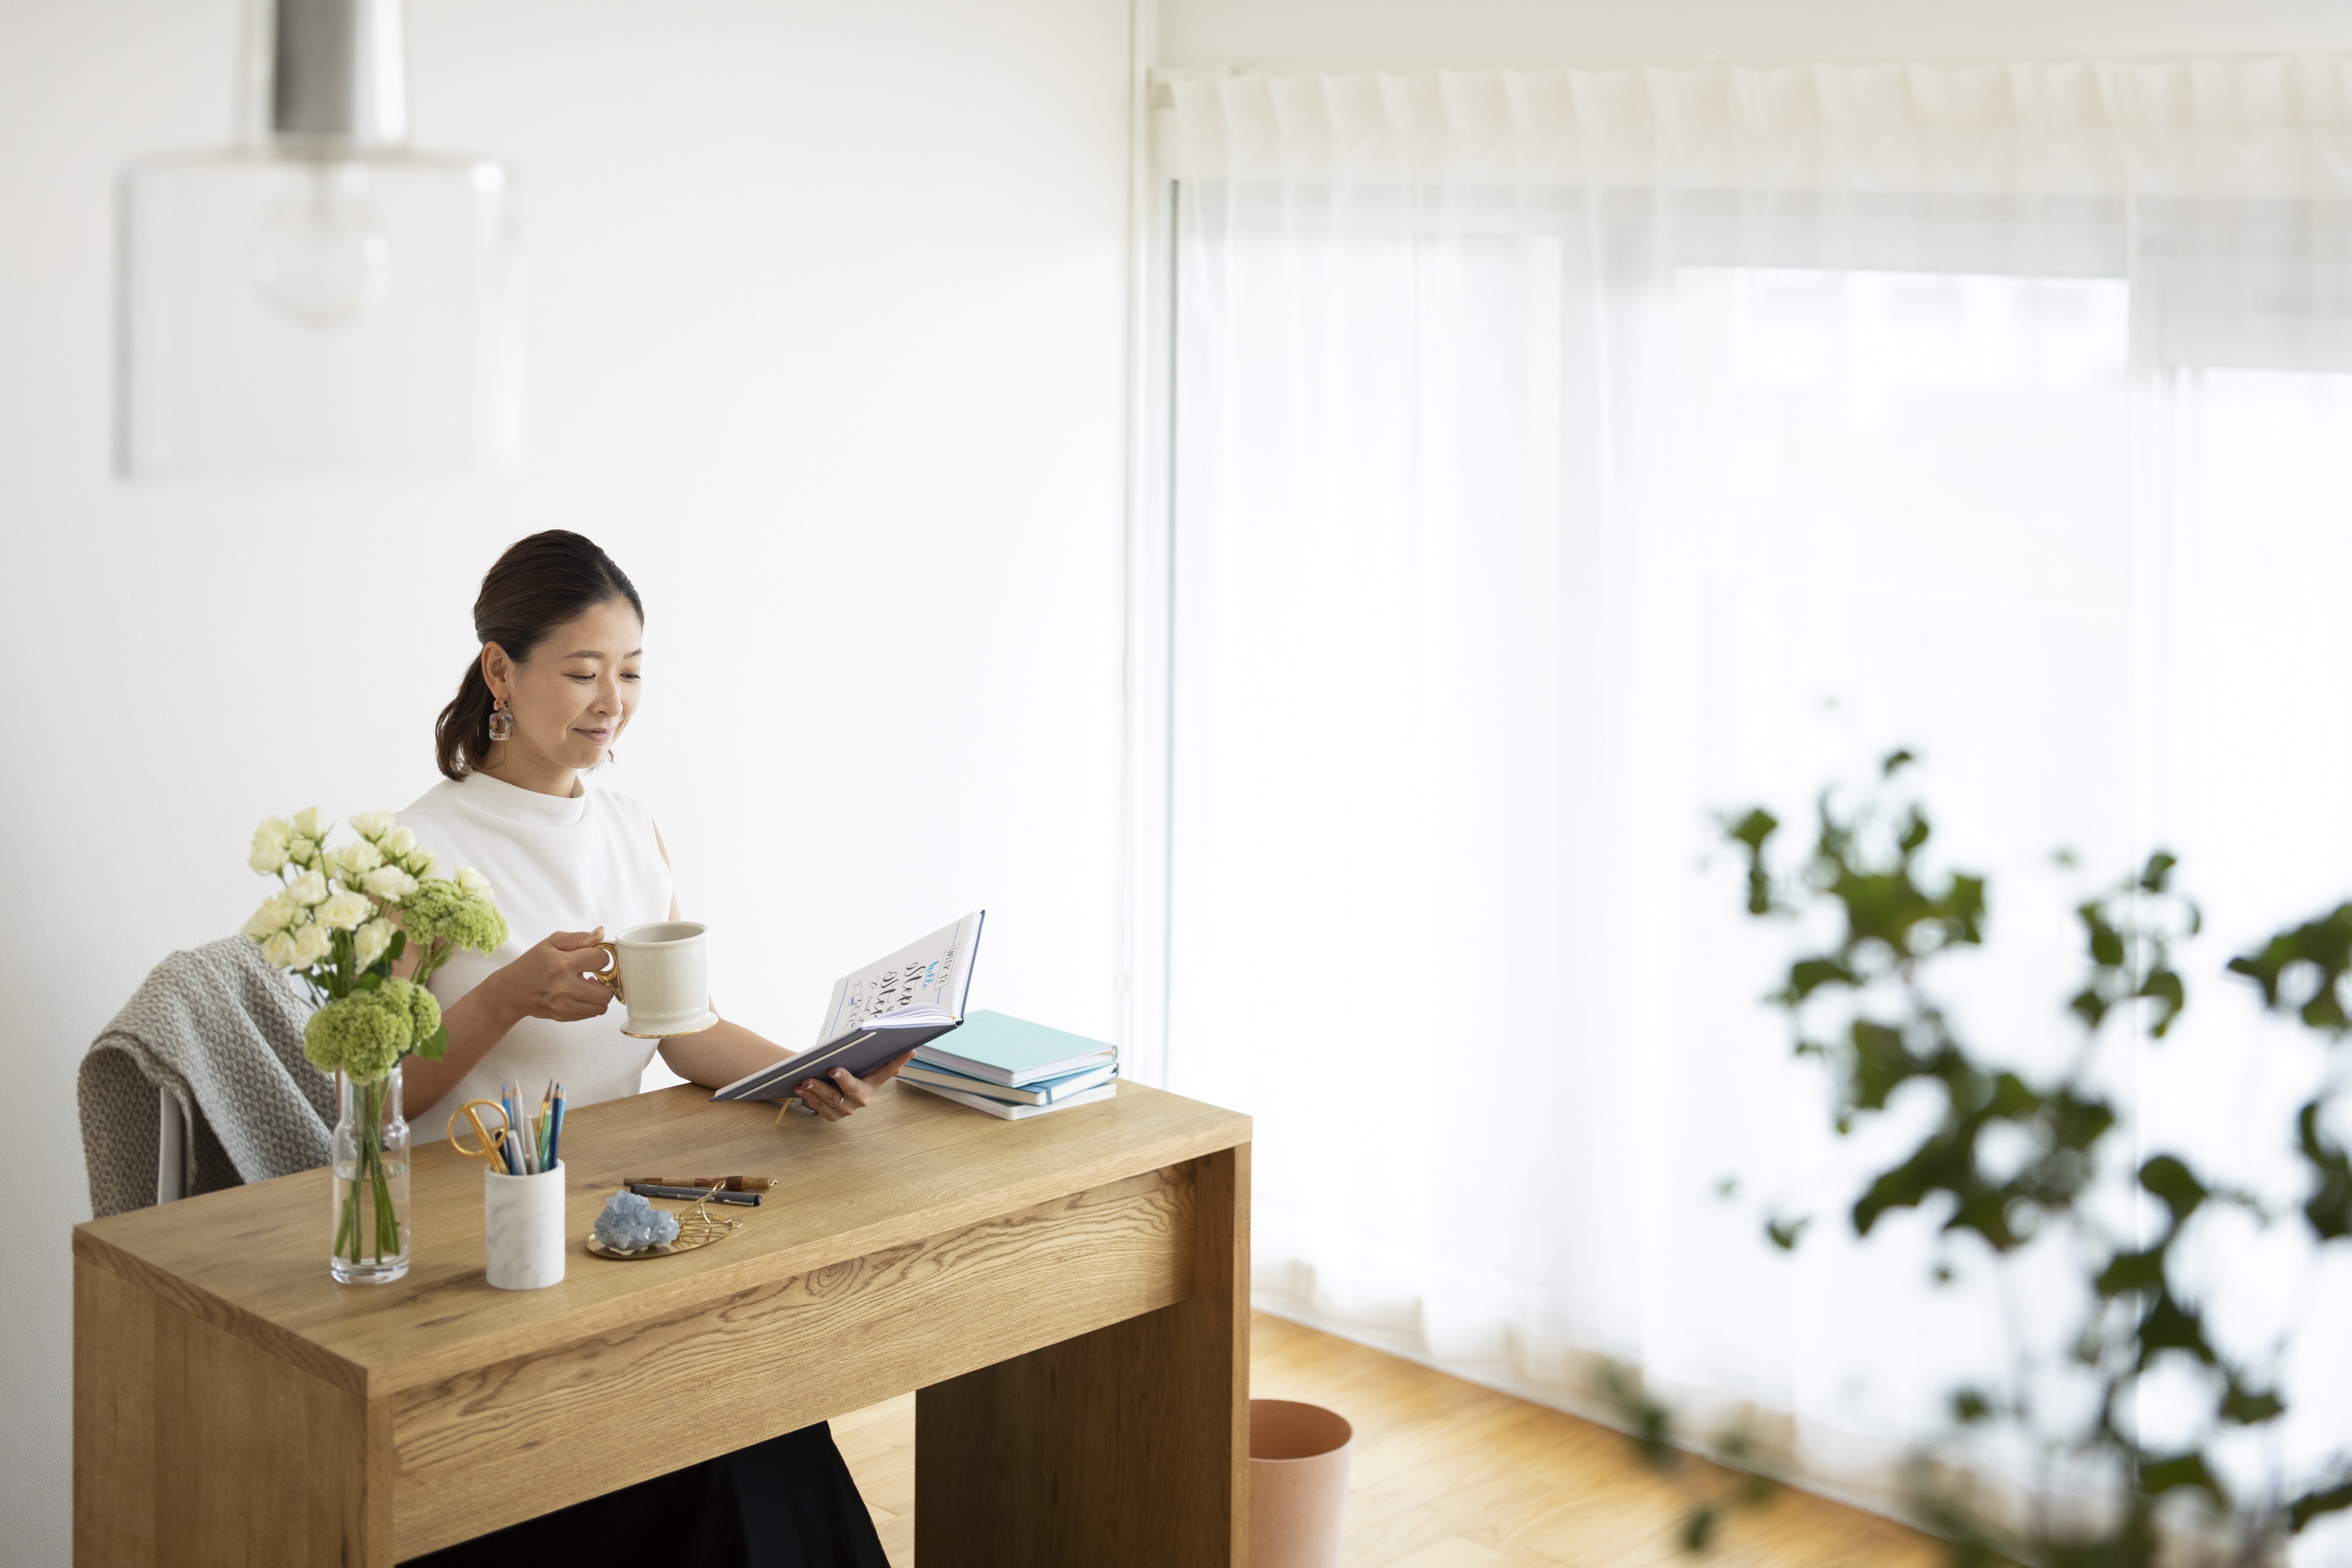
x,y
371,1185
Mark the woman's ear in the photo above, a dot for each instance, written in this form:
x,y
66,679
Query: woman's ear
x,y
498,672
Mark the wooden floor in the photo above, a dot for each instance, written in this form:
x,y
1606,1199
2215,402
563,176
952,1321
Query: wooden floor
x,y
1447,1474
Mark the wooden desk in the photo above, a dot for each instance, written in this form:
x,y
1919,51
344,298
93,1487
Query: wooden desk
x,y
1070,1293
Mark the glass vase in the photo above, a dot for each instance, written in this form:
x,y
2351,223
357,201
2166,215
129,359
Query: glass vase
x,y
370,1185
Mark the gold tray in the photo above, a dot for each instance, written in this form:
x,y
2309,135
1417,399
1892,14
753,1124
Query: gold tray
x,y
696,1227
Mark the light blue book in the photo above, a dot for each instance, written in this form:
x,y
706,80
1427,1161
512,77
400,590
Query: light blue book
x,y
1042,1091
1013,1051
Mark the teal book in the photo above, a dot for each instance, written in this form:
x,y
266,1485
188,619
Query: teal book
x,y
1013,1051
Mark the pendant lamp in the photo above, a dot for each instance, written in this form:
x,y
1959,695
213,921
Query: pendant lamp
x,y
319,296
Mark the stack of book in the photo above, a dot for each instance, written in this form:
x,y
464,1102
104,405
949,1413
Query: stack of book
x,y
1012,1069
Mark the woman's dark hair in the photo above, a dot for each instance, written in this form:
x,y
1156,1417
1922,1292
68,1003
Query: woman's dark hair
x,y
536,586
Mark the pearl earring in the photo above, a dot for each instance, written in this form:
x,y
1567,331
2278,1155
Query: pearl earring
x,y
501,720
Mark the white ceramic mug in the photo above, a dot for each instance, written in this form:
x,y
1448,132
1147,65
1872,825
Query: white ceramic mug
x,y
522,1229
662,971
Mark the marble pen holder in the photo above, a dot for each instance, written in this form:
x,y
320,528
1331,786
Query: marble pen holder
x,y
522,1229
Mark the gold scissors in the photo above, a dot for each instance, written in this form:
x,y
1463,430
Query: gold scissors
x,y
491,1149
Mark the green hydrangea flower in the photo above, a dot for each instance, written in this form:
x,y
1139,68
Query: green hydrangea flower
x,y
356,1036
365,1035
422,1009
442,910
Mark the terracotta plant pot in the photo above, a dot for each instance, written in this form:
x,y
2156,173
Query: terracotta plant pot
x,y
1298,1484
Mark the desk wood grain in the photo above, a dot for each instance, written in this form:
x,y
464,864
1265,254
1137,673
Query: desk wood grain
x,y
917,1244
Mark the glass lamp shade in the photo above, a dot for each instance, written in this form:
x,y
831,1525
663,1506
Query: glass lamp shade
x,y
322,295
345,309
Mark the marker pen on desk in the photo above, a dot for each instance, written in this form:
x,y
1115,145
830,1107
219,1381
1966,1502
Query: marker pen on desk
x,y
714,1195
732,1183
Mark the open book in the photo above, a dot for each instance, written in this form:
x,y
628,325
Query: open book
x,y
913,996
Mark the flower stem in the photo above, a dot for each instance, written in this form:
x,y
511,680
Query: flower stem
x,y
347,1228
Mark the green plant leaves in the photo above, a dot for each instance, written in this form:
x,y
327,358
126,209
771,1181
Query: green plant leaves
x,y
2325,945
1861,1004
2329,1209
1750,832
2166,1177
2318,1502
2130,1271
2189,1470
2244,1406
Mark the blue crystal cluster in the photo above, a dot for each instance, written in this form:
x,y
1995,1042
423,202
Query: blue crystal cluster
x,y
630,1224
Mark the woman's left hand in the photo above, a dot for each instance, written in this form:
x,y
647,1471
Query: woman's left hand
x,y
836,1095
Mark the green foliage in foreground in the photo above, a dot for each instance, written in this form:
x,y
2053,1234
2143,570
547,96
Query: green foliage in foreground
x,y
1860,1004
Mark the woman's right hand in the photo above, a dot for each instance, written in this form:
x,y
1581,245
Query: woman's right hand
x,y
550,980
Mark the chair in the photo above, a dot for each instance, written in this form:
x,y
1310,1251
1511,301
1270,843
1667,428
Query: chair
x,y
170,1150
200,1083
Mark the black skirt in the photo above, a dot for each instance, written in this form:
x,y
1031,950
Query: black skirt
x,y
788,1502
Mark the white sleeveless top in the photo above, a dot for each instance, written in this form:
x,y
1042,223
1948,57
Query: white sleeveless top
x,y
554,864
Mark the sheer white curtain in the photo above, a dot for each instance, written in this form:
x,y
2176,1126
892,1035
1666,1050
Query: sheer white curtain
x,y
1561,460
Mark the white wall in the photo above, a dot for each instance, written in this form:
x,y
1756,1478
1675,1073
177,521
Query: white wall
x,y
1407,35
827,349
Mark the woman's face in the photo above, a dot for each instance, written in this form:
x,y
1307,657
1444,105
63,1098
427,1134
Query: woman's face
x,y
575,694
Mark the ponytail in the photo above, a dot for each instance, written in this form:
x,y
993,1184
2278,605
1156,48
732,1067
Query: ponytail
x,y
461,736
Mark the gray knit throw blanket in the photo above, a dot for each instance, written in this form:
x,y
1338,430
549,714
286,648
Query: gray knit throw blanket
x,y
222,1032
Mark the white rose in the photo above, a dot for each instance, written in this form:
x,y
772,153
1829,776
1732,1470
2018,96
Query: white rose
x,y
269,844
423,863
311,888
372,824
353,861
276,912
370,944
310,824
344,911
399,842
473,881
302,851
390,883
278,951
311,944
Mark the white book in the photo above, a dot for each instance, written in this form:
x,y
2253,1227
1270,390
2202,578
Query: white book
x,y
1012,1112
889,1006
923,983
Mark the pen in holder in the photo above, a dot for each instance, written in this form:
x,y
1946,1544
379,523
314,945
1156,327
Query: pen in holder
x,y
522,1228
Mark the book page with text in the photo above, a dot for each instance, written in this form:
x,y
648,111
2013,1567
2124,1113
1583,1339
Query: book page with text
x,y
934,973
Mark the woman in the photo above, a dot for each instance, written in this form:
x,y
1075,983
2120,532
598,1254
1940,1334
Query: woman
x,y
556,682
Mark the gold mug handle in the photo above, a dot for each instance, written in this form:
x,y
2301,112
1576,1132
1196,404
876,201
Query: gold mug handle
x,y
611,977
